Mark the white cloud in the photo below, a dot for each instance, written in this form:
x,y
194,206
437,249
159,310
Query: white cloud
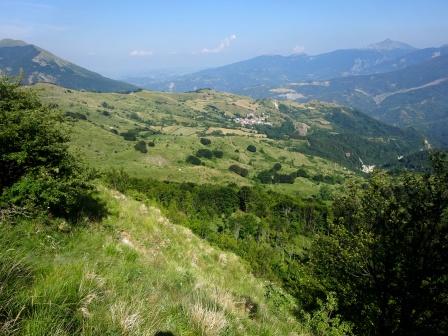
x,y
298,49
222,45
140,53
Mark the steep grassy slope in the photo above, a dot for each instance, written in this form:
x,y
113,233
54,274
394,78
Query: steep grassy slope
x,y
38,65
134,273
294,134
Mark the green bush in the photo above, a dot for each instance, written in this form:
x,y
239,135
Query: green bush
x,y
218,153
301,172
204,153
37,170
251,148
205,141
193,160
141,147
277,166
239,170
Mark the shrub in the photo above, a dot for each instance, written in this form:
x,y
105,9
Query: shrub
x,y
277,166
204,153
239,170
107,105
251,148
284,178
193,160
75,115
130,135
141,147
37,170
205,141
301,172
218,153
151,144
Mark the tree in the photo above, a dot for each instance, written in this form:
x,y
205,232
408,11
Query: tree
x,y
204,153
205,141
37,170
385,256
193,160
239,170
141,147
251,148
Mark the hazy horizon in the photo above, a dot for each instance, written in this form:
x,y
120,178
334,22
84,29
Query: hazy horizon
x,y
139,37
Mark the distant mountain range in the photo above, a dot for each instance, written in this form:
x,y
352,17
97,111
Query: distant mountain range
x,y
391,81
38,65
275,70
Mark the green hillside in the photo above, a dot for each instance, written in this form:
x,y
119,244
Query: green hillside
x,y
320,138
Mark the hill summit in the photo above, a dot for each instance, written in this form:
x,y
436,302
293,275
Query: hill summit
x,y
37,65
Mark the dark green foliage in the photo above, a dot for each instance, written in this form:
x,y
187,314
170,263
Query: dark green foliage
x,y
218,153
204,153
277,166
193,160
385,254
106,113
239,170
151,144
330,179
251,148
272,175
265,177
284,178
301,172
130,135
205,141
37,170
107,105
141,147
75,115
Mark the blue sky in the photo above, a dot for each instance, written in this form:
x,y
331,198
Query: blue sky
x,y
131,37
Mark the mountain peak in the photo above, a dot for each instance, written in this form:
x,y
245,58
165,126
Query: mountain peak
x,y
389,44
12,43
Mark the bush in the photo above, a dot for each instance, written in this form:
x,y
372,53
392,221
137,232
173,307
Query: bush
x,y
130,135
218,153
204,153
284,178
301,172
37,170
239,170
151,144
193,160
75,115
205,141
277,167
251,148
107,105
141,147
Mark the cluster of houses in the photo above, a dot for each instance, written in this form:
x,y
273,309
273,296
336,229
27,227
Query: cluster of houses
x,y
252,119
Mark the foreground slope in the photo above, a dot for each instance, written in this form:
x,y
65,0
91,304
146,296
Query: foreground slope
x,y
134,273
38,65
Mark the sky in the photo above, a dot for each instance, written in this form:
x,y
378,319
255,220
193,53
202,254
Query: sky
x,y
121,38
